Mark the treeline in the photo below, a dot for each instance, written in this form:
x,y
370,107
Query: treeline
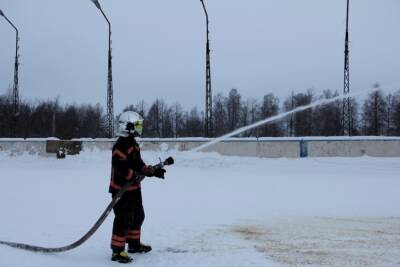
x,y
50,119
378,114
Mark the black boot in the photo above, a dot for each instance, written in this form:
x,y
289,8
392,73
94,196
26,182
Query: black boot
x,y
121,257
140,248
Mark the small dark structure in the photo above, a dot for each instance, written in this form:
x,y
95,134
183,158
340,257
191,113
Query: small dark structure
x,y
60,153
69,147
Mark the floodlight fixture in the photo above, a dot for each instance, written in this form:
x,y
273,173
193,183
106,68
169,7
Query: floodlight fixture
x,y
96,3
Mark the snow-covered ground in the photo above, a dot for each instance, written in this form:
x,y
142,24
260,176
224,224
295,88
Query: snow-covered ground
x,y
210,211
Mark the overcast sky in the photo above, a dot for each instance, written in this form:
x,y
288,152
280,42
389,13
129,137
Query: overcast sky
x,y
258,47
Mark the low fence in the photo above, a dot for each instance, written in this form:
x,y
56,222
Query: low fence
x,y
250,147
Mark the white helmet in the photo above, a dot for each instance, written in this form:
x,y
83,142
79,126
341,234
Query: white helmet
x,y
130,123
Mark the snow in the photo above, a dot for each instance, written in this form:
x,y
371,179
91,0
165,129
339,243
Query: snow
x,y
211,210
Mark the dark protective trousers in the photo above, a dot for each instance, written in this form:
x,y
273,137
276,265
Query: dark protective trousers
x,y
129,217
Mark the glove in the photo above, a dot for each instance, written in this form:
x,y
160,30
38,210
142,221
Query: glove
x,y
159,173
148,171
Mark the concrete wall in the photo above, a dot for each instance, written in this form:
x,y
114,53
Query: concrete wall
x,y
250,147
16,147
357,148
262,149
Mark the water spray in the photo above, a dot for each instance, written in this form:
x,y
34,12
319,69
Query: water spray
x,y
274,118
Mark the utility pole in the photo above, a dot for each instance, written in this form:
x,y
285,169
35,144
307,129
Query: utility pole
x,y
110,93
291,133
15,92
347,124
208,111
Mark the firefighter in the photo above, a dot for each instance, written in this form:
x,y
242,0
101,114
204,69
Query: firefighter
x,y
127,164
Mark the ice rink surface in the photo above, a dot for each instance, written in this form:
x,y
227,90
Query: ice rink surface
x,y
210,211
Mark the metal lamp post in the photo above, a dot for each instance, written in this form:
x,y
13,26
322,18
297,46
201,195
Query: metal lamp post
x,y
208,112
15,93
110,101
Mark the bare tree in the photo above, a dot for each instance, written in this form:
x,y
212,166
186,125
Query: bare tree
x,y
167,122
269,108
396,114
373,114
288,105
327,118
194,123
177,119
303,120
153,122
390,100
220,115
233,107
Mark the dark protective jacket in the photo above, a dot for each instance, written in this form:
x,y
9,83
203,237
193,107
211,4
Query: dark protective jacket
x,y
127,164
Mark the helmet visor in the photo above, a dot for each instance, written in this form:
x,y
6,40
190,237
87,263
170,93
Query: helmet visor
x,y
139,127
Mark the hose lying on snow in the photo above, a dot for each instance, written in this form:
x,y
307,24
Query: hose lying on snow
x,y
99,222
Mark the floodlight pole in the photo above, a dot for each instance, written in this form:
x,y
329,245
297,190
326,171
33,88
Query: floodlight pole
x,y
346,112
15,92
110,98
208,111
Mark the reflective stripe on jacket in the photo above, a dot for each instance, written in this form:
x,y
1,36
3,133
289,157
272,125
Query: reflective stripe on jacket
x,y
126,163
